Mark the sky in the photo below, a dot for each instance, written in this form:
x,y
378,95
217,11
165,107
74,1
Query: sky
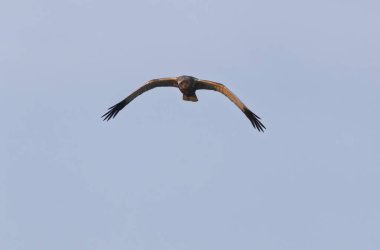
x,y
174,175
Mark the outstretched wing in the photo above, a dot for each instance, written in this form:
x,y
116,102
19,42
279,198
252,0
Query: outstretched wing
x,y
255,120
162,82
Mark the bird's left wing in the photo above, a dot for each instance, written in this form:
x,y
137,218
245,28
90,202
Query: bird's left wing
x,y
162,82
209,85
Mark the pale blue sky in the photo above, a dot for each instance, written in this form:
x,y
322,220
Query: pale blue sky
x,y
174,175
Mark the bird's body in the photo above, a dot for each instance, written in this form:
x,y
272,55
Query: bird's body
x,y
188,85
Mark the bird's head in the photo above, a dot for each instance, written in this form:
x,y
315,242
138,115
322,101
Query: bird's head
x,y
185,82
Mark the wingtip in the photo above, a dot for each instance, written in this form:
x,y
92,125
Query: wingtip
x,y
110,114
255,120
105,117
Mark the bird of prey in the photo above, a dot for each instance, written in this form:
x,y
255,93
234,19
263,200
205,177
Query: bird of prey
x,y
188,85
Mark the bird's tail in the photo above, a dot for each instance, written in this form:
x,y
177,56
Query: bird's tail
x,y
191,98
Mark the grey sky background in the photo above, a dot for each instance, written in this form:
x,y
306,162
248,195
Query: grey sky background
x,y
173,175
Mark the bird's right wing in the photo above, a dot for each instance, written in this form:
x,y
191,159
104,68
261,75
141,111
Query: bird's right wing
x,y
162,82
209,85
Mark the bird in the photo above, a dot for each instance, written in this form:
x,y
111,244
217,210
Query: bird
x,y
188,85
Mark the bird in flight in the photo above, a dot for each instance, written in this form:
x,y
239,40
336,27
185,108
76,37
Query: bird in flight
x,y
188,85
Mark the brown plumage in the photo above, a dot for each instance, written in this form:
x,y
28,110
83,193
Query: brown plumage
x,y
188,85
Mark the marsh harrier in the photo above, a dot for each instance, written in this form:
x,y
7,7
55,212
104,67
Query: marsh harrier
x,y
188,85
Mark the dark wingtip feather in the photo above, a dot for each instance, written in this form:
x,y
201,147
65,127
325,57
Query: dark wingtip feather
x,y
113,111
255,120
